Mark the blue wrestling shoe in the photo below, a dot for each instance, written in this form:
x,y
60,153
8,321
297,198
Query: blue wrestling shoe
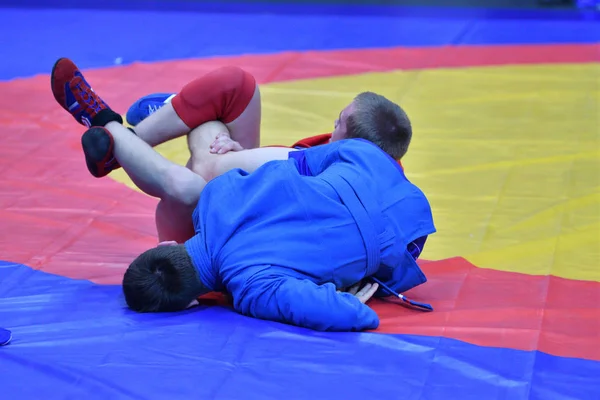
x,y
146,106
5,336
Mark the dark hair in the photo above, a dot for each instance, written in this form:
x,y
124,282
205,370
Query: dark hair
x,y
162,279
380,121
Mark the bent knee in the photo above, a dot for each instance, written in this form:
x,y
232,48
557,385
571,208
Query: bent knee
x,y
238,87
234,78
200,138
207,165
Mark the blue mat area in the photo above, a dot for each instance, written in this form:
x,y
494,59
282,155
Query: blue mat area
x,y
75,339
97,38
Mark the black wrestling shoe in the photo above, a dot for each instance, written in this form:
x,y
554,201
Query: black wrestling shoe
x,y
98,144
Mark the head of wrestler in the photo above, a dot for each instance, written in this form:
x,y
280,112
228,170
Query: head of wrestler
x,y
162,279
373,117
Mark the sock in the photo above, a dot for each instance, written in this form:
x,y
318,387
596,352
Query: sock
x,y
105,116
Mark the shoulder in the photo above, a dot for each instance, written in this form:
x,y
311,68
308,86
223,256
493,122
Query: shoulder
x,y
312,141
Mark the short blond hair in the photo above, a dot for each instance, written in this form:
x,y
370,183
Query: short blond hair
x,y
380,121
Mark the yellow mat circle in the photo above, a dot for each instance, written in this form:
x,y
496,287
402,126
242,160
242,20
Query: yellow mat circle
x,y
508,156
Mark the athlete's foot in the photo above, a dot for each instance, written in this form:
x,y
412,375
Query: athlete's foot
x,y
146,106
98,143
76,96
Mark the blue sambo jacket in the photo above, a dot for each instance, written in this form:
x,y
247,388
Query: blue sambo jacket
x,y
283,239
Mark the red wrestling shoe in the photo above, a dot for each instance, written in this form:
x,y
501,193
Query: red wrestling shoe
x,y
74,94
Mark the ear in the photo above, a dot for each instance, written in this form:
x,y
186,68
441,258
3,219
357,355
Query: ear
x,y
168,243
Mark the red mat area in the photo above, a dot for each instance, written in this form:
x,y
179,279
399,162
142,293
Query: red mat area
x,y
57,218
502,309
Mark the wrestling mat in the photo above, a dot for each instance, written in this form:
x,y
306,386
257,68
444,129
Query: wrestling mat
x,y
505,107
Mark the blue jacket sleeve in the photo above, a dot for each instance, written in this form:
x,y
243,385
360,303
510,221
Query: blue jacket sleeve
x,y
400,278
302,303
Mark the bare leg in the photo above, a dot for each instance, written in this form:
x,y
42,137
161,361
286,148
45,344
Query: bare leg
x,y
178,188
173,220
199,140
245,129
162,126
209,165
248,160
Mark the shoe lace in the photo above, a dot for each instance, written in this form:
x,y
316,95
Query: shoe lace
x,y
87,96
